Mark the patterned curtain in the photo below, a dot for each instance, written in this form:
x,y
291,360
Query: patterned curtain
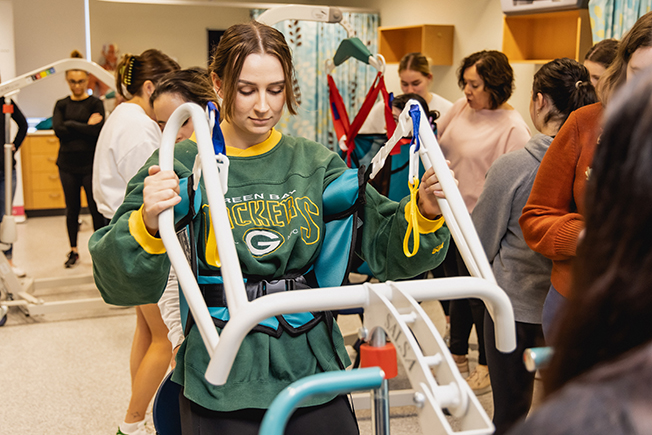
x,y
311,44
613,18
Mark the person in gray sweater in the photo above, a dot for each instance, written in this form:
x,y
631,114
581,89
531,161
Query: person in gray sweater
x,y
559,87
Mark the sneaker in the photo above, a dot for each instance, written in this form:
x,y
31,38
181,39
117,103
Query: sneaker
x,y
72,260
139,431
147,426
479,380
20,273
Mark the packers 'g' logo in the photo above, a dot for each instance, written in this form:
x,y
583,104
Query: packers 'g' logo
x,y
262,242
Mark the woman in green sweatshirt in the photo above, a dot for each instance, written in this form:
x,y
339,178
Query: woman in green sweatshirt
x,y
275,203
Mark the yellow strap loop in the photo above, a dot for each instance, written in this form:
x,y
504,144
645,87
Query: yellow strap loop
x,y
413,226
212,254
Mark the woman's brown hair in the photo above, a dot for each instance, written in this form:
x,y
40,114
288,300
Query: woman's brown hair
x,y
415,62
603,52
192,84
496,72
75,54
134,70
640,35
236,44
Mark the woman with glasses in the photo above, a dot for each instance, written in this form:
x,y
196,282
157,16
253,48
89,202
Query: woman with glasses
x,y
77,121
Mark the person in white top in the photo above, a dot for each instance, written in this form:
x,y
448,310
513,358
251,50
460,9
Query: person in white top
x,y
414,73
127,140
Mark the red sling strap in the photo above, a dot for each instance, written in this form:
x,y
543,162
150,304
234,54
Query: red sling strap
x,y
341,118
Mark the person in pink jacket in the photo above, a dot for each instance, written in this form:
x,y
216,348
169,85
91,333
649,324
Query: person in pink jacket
x,y
477,130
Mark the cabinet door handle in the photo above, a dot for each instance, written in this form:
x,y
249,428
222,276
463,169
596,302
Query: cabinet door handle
x,y
52,159
52,140
55,195
53,177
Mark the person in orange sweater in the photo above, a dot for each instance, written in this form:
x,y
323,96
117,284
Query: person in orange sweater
x,y
552,219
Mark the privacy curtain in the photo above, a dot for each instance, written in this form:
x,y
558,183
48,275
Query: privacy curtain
x,y
311,44
613,18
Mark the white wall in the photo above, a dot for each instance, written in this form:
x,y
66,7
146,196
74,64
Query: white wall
x,y
178,31
45,31
7,53
478,26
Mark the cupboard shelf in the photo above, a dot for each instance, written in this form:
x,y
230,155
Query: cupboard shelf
x,y
432,40
540,38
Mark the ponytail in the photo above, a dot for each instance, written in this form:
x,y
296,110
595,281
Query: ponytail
x,y
134,70
567,85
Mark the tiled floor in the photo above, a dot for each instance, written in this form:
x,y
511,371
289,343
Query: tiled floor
x,y
69,372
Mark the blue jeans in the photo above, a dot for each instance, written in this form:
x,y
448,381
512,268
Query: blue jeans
x,y
552,306
8,252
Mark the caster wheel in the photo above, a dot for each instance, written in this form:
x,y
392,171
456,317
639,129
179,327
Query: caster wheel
x,y
3,320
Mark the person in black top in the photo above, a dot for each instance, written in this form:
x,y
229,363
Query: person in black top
x,y
20,120
77,121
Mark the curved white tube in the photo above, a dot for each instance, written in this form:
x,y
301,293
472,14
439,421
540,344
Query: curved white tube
x,y
323,14
55,68
354,296
464,232
244,315
166,224
453,207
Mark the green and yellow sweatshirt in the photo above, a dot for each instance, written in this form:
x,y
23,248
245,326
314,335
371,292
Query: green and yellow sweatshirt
x,y
274,203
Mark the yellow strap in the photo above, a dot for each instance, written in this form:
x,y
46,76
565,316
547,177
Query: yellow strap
x,y
212,254
413,225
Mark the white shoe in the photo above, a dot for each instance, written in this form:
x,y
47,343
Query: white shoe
x,y
20,273
147,426
139,431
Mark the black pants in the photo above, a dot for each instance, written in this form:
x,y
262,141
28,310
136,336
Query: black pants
x,y
448,267
511,383
464,313
72,185
334,417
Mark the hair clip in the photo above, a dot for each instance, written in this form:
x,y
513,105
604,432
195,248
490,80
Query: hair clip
x,y
578,84
129,68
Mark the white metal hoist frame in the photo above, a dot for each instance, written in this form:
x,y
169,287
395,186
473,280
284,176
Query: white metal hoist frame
x,y
391,306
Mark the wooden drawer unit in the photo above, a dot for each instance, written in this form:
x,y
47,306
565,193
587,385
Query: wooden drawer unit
x,y
41,185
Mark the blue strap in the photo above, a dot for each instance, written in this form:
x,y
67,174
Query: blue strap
x,y
415,114
218,137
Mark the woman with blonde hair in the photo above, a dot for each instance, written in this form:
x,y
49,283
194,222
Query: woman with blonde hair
x,y
553,217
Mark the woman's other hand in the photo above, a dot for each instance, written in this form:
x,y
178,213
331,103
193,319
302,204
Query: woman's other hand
x,y
161,191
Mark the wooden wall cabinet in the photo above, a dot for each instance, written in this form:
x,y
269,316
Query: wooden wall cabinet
x,y
540,38
41,185
434,41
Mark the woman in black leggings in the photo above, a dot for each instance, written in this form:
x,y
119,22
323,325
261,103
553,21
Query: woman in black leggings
x,y
77,121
